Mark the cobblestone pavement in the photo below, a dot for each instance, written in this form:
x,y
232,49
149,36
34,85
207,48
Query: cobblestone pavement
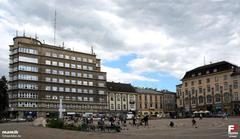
x,y
208,128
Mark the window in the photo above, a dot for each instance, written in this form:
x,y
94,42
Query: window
x,y
73,81
73,58
47,79
48,70
27,77
67,65
67,89
74,90
90,76
90,60
47,54
208,80
61,64
67,73
217,87
225,86
90,91
85,83
73,73
79,90
208,88
235,84
28,59
226,97
100,77
54,97
101,92
79,59
85,67
235,96
200,98
85,75
209,99
192,83
54,88
101,84
119,106
67,81
217,98
54,55
185,84
79,98
85,99
61,72
79,82
67,56
79,74
199,81
61,89
61,56
90,83
27,68
112,106
84,59
216,79
54,71
85,91
54,80
79,67
48,62
91,99
90,68
48,88
73,66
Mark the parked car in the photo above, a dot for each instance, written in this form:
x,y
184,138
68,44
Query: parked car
x,y
19,120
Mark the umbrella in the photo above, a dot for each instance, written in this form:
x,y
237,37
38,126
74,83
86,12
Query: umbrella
x,y
207,112
195,112
201,111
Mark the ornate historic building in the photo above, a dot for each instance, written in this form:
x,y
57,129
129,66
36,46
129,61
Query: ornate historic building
x,y
122,98
213,87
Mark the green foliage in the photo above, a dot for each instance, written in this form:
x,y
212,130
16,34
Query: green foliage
x,y
83,127
55,123
3,95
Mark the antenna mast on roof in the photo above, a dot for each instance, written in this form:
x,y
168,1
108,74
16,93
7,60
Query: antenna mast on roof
x,y
54,27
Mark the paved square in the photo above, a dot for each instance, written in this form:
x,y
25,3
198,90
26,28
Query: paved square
x,y
208,128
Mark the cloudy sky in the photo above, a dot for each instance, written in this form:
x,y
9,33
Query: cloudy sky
x,y
149,43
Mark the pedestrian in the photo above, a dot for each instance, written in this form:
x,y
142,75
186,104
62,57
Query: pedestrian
x,y
194,123
134,120
200,116
171,124
145,119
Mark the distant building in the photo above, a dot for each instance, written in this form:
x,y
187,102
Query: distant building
x,y
122,98
41,74
213,87
150,102
169,102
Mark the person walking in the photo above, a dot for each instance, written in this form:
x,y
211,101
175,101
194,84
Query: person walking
x,y
134,120
194,123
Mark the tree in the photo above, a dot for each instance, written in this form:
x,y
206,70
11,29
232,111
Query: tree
x,y
3,94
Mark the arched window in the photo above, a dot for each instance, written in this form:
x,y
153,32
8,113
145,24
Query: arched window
x,y
209,99
200,99
217,98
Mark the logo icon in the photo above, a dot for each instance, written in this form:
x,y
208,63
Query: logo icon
x,y
233,131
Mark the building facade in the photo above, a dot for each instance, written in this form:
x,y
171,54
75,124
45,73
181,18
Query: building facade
x,y
213,87
41,74
150,102
169,103
122,98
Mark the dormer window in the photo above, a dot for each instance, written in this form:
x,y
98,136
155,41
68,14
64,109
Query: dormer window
x,y
207,71
193,75
199,73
